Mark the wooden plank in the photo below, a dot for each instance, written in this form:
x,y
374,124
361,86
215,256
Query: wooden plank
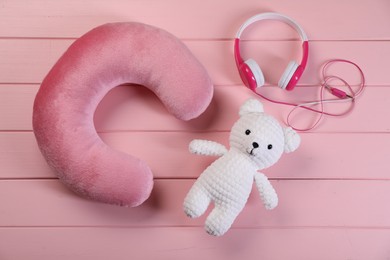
x,y
216,19
128,104
193,243
29,60
321,156
16,105
302,203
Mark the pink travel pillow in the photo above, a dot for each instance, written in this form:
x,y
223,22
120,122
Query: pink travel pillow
x,y
105,57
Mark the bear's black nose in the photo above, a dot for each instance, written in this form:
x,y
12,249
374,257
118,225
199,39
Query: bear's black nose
x,y
255,145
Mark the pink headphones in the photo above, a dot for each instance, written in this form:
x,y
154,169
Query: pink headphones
x,y
250,71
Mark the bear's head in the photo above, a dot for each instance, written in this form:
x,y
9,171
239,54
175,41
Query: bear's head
x,y
260,136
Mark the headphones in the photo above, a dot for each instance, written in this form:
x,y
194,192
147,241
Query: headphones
x,y
250,71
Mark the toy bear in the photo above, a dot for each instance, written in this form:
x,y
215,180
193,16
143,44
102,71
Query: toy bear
x,y
257,141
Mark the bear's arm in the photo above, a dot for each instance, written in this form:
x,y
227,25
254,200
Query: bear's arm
x,y
206,147
267,192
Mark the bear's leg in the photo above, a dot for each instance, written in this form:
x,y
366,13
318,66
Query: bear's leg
x,y
221,219
196,201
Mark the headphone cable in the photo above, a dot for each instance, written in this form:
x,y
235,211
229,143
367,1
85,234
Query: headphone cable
x,y
341,95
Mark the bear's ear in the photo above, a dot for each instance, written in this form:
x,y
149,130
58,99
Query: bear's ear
x,y
251,106
291,140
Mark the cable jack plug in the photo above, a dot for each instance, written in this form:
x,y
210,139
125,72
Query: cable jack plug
x,y
338,93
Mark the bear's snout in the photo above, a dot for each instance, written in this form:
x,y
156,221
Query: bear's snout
x,y
254,145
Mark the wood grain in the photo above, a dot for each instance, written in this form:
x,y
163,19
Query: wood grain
x,y
192,243
302,203
216,19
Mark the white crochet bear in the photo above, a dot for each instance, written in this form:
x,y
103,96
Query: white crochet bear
x,y
257,141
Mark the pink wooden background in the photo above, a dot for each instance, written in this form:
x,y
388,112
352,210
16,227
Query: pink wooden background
x,y
334,191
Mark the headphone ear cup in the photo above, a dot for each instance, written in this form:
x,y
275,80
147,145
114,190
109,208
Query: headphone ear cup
x,y
287,74
257,74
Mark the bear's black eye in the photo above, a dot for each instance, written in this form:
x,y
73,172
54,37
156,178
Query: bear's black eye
x,y
248,132
269,147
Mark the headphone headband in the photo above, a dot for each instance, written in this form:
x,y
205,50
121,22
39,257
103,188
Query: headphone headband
x,y
273,16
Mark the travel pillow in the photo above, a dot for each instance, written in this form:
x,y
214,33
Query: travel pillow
x,y
103,58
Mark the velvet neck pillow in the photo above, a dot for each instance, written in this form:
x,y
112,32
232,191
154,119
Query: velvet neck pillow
x,y
103,58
